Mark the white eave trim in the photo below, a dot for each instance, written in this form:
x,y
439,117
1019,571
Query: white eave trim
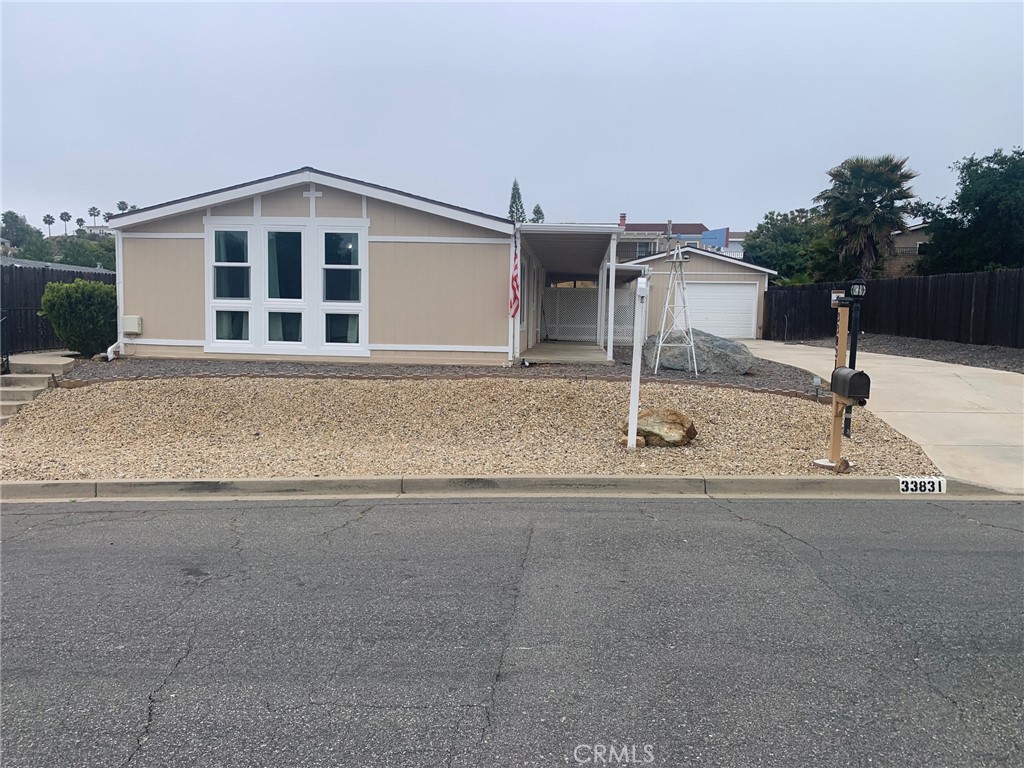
x,y
308,177
580,229
710,255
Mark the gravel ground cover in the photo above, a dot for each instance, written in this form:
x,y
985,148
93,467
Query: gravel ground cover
x,y
975,355
766,374
294,427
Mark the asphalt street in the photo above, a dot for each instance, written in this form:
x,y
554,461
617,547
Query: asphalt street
x,y
532,632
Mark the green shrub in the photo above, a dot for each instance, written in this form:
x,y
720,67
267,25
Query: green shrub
x,y
83,313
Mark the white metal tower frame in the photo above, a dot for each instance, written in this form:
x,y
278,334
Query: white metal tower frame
x,y
675,315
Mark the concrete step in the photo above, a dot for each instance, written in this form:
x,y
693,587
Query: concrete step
x,y
41,364
9,408
21,394
4,420
19,380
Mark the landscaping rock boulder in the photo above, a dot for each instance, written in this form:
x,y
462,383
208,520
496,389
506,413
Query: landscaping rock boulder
x,y
714,354
660,428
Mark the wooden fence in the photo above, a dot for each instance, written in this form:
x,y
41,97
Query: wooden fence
x,y
21,295
973,308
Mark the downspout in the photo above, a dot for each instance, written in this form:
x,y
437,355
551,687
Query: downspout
x,y
116,349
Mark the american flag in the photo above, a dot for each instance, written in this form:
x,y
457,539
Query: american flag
x,y
513,302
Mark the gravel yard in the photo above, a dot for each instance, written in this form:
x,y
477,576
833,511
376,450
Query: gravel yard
x,y
500,424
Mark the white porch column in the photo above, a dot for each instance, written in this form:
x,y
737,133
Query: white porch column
x,y
600,303
611,295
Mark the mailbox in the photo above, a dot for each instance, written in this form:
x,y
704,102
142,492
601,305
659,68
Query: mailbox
x,y
851,384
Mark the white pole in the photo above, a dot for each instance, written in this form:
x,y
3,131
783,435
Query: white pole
x,y
611,297
639,334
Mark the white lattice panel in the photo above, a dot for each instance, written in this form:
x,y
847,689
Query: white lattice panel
x,y
570,314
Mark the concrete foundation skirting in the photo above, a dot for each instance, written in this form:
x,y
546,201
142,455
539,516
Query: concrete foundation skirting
x,y
839,487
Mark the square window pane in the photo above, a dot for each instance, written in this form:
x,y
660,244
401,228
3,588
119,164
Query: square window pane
x,y
284,265
231,247
342,329
341,284
285,326
233,326
231,282
341,248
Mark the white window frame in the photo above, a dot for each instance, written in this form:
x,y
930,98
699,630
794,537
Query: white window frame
x,y
213,304
312,305
360,307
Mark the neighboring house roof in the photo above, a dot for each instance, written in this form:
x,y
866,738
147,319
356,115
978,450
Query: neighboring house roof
x,y
306,174
709,254
677,229
14,261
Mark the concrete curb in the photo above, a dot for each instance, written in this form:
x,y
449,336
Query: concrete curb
x,y
838,486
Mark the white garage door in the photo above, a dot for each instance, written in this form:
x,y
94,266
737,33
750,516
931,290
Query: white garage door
x,y
724,309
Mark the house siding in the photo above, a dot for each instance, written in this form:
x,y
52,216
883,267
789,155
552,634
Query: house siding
x,y
185,223
163,283
394,220
439,294
286,202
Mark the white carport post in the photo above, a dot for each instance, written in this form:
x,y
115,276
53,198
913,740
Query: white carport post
x,y
611,296
600,303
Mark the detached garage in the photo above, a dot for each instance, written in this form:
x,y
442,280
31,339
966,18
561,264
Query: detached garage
x,y
724,296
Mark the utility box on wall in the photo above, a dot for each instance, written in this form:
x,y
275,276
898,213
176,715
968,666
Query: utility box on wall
x,y
132,325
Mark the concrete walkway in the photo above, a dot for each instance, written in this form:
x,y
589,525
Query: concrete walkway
x,y
970,421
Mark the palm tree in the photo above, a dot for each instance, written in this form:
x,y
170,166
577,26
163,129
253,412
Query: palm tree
x,y
65,217
49,221
122,206
80,223
108,216
93,213
864,206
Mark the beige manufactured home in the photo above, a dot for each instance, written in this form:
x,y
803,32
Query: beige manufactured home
x,y
308,265
311,266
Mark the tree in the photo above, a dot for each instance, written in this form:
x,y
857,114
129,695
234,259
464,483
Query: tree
x,y
538,215
784,241
982,227
65,217
18,231
49,221
133,207
93,213
516,211
108,216
865,206
80,222
122,206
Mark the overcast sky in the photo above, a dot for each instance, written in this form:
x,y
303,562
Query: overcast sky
x,y
690,112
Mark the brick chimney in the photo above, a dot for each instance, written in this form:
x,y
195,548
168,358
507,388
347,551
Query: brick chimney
x,y
622,219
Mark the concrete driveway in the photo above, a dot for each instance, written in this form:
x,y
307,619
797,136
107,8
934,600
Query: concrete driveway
x,y
970,421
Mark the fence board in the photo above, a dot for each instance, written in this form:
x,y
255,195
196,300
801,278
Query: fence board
x,y
972,308
21,295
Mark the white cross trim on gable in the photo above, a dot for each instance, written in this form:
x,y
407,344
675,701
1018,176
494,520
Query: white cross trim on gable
x,y
312,194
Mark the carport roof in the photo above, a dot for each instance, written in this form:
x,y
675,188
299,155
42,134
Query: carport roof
x,y
569,251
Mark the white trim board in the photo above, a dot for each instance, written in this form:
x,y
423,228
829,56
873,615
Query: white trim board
x,y
435,348
424,239
166,342
163,235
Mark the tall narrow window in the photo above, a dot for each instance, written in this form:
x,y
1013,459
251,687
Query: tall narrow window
x,y
231,265
342,271
284,265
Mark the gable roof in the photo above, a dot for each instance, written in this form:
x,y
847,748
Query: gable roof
x,y
307,174
710,254
677,229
